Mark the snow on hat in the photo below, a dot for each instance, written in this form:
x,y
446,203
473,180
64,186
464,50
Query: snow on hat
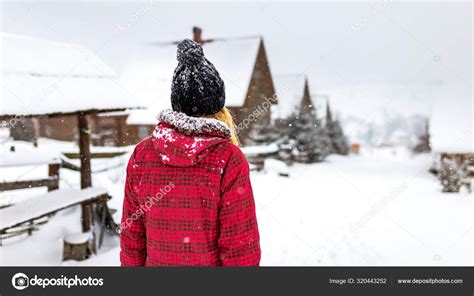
x,y
197,89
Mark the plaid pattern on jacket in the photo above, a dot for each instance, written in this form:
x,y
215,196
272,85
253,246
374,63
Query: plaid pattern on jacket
x,y
188,198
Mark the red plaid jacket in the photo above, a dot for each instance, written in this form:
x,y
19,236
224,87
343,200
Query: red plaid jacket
x,y
188,198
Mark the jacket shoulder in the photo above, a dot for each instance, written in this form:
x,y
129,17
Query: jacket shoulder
x,y
143,145
232,154
236,151
228,149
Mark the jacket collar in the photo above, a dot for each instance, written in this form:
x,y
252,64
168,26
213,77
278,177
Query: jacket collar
x,y
190,125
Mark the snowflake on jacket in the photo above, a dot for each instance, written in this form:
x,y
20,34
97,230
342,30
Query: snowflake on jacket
x,y
188,198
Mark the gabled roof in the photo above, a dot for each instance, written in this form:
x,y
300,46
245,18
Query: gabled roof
x,y
151,69
290,92
48,77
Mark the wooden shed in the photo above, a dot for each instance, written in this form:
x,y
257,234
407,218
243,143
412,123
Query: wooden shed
x,y
37,72
47,79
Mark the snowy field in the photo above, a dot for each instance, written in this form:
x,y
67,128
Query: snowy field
x,y
377,208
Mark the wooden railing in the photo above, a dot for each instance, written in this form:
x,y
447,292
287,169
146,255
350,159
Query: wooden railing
x,y
52,182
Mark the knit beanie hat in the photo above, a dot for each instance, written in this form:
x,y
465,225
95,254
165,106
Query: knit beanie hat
x,y
197,89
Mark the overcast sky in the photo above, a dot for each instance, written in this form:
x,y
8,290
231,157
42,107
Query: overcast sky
x,y
335,44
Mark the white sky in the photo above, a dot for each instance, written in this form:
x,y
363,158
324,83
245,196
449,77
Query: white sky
x,y
334,43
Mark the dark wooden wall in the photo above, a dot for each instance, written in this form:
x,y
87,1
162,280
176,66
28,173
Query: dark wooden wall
x,y
62,128
105,130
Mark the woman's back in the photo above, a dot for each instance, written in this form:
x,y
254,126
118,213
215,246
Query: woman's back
x,y
188,198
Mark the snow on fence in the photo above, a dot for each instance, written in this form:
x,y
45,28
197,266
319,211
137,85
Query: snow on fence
x,y
36,208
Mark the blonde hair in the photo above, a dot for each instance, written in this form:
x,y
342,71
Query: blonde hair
x,y
225,116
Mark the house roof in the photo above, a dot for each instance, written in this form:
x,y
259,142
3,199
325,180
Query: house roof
x,y
290,91
150,71
452,120
46,77
142,117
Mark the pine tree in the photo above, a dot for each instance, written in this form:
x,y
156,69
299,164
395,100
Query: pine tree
x,y
339,142
284,128
451,175
312,141
287,129
264,133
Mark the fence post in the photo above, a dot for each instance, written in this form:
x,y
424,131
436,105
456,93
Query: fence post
x,y
85,156
53,173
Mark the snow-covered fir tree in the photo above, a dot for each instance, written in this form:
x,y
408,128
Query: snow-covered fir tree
x,y
339,142
311,140
451,175
264,133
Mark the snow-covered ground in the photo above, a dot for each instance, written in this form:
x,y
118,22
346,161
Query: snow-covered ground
x,y
378,208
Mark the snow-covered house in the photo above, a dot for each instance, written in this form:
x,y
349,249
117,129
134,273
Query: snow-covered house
x,y
451,125
293,95
43,79
54,78
241,62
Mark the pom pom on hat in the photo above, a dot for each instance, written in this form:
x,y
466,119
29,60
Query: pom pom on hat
x,y
189,52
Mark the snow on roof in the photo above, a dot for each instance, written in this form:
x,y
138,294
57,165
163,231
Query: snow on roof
x,y
142,117
290,91
452,120
150,71
113,113
46,77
